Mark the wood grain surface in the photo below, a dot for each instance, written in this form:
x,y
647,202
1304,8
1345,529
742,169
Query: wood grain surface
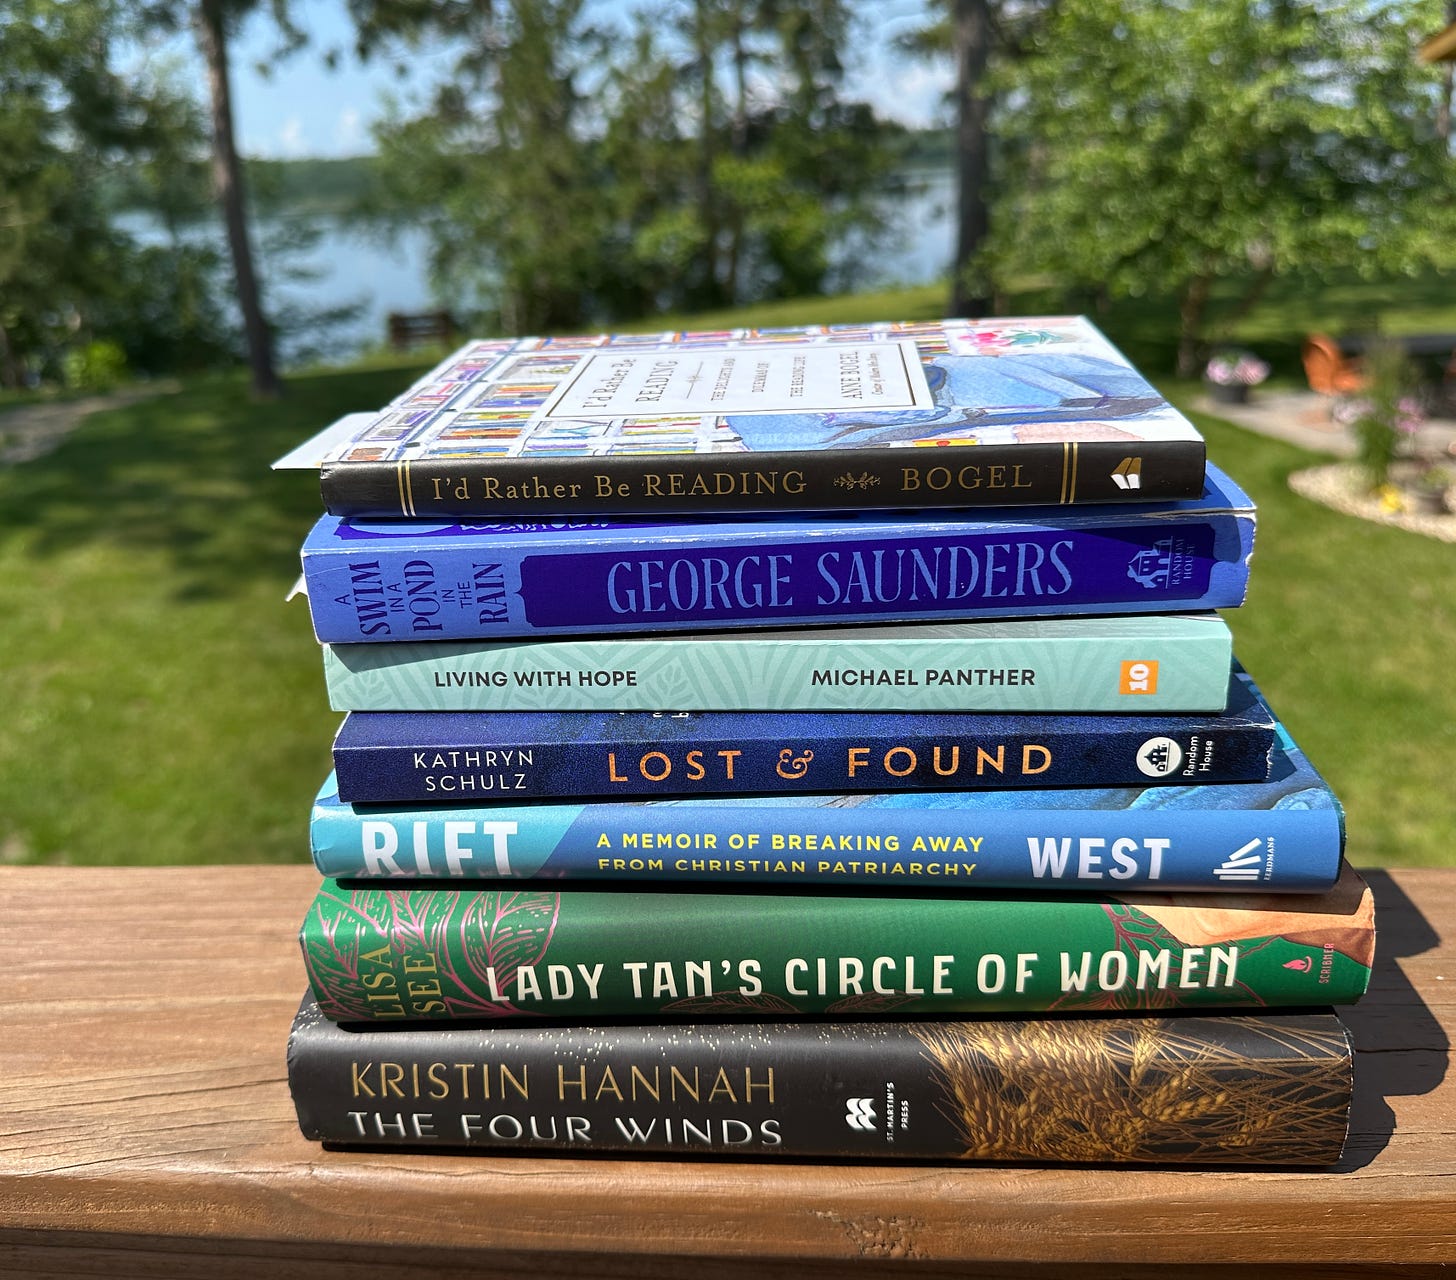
x,y
146,1129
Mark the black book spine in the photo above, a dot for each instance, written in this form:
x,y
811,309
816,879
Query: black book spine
x,y
986,475
1270,1089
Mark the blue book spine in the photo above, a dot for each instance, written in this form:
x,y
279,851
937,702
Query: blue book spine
x,y
1283,834
1144,663
413,580
442,757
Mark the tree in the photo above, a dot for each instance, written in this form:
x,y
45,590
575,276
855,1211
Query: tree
x,y
67,121
573,175
982,37
213,20
1199,144
497,167
214,23
1448,85
787,169
970,287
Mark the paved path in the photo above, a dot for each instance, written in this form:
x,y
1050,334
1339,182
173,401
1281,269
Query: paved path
x,y
1303,418
34,430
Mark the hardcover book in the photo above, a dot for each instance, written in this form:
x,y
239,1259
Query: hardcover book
x,y
1285,834
1238,1089
417,580
948,413
447,951
440,757
1158,662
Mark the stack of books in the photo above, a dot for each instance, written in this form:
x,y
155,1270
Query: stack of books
x,y
810,742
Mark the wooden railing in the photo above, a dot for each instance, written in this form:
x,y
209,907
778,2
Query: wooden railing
x,y
146,1129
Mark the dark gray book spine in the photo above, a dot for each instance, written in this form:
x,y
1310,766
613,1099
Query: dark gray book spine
x,y
1267,1089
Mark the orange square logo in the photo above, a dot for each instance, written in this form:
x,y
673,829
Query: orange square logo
x,y
1138,677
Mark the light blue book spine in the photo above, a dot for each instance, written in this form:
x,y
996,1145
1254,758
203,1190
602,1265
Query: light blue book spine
x,y
1283,834
1163,662
382,581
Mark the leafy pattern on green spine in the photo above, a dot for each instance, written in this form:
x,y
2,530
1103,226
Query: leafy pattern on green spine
x,y
463,933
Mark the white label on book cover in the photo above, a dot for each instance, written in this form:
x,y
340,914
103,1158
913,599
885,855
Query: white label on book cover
x,y
832,378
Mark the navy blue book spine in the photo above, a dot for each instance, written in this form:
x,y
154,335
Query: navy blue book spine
x,y
447,580
1282,834
485,757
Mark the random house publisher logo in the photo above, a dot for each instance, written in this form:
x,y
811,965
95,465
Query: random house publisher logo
x,y
859,1114
1159,757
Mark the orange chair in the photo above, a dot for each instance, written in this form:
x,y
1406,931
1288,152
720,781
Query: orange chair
x,y
1329,370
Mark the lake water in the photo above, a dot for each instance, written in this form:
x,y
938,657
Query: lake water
x,y
352,267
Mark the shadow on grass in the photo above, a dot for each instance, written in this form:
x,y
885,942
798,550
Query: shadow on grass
x,y
188,475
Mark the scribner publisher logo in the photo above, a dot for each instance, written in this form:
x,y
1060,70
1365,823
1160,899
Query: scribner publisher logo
x,y
860,1114
1128,474
1138,676
1303,965
1243,863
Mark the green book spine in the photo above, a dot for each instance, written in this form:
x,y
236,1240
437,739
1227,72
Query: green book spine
x,y
1127,663
429,951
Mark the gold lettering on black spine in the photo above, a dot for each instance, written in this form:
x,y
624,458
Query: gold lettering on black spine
x,y
1069,472
406,490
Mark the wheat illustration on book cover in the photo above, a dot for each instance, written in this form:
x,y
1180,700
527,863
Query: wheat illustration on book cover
x,y
1052,382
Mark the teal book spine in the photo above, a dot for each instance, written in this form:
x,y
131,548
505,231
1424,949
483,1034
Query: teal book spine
x,y
1125,663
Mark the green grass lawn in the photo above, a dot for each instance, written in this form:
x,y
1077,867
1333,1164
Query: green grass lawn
x,y
160,703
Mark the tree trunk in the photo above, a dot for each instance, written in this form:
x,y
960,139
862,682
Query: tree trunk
x,y
227,181
1443,106
9,370
738,141
709,284
1192,308
971,292
1253,295
1448,85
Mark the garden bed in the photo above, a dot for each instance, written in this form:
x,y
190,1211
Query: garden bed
x,y
1343,487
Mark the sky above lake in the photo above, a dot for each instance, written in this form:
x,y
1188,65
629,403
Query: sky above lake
x,y
301,108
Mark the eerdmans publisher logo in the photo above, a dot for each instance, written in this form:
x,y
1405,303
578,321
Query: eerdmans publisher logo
x,y
1242,864
1128,474
860,1114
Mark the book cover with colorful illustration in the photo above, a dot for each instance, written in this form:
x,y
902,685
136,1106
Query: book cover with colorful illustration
x,y
1237,1089
446,951
481,757
1141,662
1000,412
385,580
1284,834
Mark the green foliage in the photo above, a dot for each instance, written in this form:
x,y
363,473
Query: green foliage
x,y
69,124
498,172
1385,414
569,175
97,366
1171,146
